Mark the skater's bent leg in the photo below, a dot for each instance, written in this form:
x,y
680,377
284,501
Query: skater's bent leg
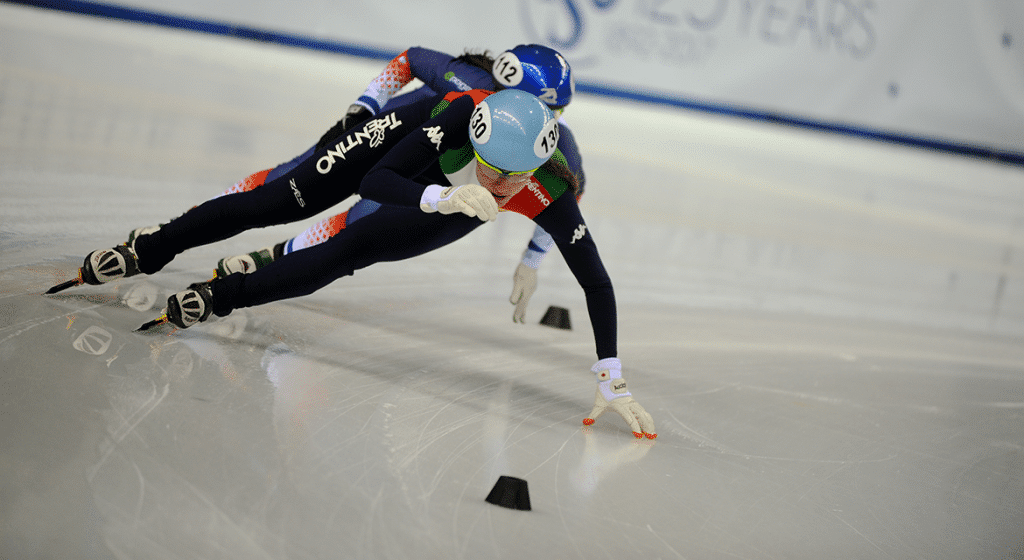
x,y
387,234
279,201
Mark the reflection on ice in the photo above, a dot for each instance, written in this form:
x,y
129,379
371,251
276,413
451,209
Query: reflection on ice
x,y
600,459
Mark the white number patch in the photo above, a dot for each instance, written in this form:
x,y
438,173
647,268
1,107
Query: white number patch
x,y
547,140
508,70
480,123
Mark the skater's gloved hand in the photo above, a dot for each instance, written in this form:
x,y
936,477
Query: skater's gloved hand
x,y
355,114
524,283
612,393
471,200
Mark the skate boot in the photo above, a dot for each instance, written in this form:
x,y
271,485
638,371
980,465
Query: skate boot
x,y
191,306
249,262
122,261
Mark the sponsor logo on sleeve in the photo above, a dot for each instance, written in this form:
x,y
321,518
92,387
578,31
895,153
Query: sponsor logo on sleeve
x,y
578,234
451,77
541,197
435,134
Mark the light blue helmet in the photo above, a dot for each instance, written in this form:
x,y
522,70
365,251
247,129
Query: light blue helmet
x,y
537,69
513,131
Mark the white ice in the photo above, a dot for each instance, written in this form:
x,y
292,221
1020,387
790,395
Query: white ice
x,y
827,331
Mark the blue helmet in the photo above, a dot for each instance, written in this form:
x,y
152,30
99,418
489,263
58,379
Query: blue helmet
x,y
537,69
513,131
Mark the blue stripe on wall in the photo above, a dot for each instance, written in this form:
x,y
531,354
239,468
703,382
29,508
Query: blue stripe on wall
x,y
211,27
305,42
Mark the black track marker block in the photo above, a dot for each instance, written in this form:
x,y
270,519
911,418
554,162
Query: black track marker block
x,y
557,317
510,492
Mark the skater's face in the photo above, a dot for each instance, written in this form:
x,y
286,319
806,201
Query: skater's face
x,y
502,185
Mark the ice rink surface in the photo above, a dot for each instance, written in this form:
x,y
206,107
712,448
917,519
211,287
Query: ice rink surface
x,y
827,332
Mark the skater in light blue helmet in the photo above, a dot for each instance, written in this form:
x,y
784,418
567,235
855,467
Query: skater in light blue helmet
x,y
497,153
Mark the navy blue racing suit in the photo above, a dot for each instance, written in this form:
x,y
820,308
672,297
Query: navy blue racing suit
x,y
398,229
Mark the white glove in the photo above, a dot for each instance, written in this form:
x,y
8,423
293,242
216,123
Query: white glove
x,y
613,393
471,200
524,283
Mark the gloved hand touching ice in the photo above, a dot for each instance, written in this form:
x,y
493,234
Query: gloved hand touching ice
x,y
613,393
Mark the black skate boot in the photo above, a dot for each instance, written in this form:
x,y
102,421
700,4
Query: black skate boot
x,y
122,261
105,265
248,262
191,306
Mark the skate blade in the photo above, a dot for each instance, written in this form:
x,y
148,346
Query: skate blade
x,y
161,320
65,285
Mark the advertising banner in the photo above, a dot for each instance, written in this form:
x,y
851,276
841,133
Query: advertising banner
x,y
940,73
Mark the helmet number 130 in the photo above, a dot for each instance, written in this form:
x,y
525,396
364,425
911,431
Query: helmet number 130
x,y
547,140
480,123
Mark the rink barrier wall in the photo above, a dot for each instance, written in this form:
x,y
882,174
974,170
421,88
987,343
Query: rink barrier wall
x,y
172,21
